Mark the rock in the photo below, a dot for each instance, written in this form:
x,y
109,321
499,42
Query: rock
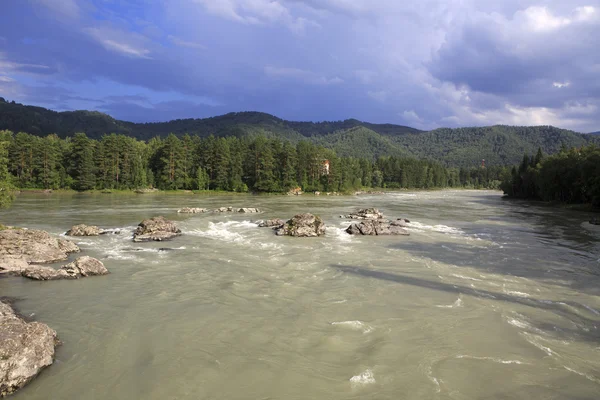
x,y
188,210
82,267
295,192
595,221
25,349
302,225
12,266
34,246
270,223
248,210
223,209
156,229
84,230
317,193
378,227
115,231
368,192
365,213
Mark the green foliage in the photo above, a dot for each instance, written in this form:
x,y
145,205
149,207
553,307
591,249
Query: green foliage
x,y
571,176
260,164
463,147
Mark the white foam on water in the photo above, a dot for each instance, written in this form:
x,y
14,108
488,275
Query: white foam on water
x,y
221,231
466,277
496,360
587,376
530,338
339,234
355,325
514,292
413,225
456,304
365,378
591,309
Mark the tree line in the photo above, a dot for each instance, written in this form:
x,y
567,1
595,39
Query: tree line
x,y
570,176
239,164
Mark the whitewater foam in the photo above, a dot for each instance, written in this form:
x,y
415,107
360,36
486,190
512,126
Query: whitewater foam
x,y
496,360
355,325
365,378
456,304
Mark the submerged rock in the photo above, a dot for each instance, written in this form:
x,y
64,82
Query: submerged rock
x,y
378,227
365,213
271,223
156,229
302,225
191,210
34,246
248,210
84,230
239,210
80,268
25,349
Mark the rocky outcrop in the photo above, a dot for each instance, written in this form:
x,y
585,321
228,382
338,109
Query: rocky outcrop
x,y
12,266
142,191
90,230
34,246
191,210
365,213
82,267
25,349
302,225
379,228
239,210
271,223
156,229
361,192
84,230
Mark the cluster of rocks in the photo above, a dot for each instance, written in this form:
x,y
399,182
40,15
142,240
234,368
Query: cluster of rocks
x,y
142,191
373,222
156,229
301,225
25,349
191,210
90,230
22,250
368,192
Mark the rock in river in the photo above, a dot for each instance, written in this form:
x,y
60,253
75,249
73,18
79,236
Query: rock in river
x,y
302,225
25,349
156,229
377,227
34,246
84,230
365,213
271,223
80,268
192,210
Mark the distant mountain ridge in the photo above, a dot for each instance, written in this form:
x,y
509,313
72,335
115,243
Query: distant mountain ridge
x,y
461,147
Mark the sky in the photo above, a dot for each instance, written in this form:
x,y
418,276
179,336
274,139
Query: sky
x,y
425,64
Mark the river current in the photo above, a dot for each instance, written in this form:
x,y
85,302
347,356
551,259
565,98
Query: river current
x,y
486,299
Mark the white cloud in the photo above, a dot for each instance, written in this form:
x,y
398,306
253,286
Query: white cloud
x,y
561,85
301,75
256,12
6,79
117,42
184,43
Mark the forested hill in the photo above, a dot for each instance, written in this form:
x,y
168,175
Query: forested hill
x,y
462,147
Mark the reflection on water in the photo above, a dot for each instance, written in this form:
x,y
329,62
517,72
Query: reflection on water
x,y
487,299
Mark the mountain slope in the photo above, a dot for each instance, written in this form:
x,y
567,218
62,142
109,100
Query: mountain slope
x,y
461,147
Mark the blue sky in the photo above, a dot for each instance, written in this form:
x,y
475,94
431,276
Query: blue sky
x,y
425,64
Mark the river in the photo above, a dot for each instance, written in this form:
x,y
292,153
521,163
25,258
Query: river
x,y
487,299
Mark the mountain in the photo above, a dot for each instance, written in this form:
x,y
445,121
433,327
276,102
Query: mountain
x,y
595,133
460,147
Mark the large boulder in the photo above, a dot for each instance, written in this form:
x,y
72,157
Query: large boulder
x,y
271,223
82,267
378,227
84,230
365,213
34,246
248,210
25,349
302,225
156,229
